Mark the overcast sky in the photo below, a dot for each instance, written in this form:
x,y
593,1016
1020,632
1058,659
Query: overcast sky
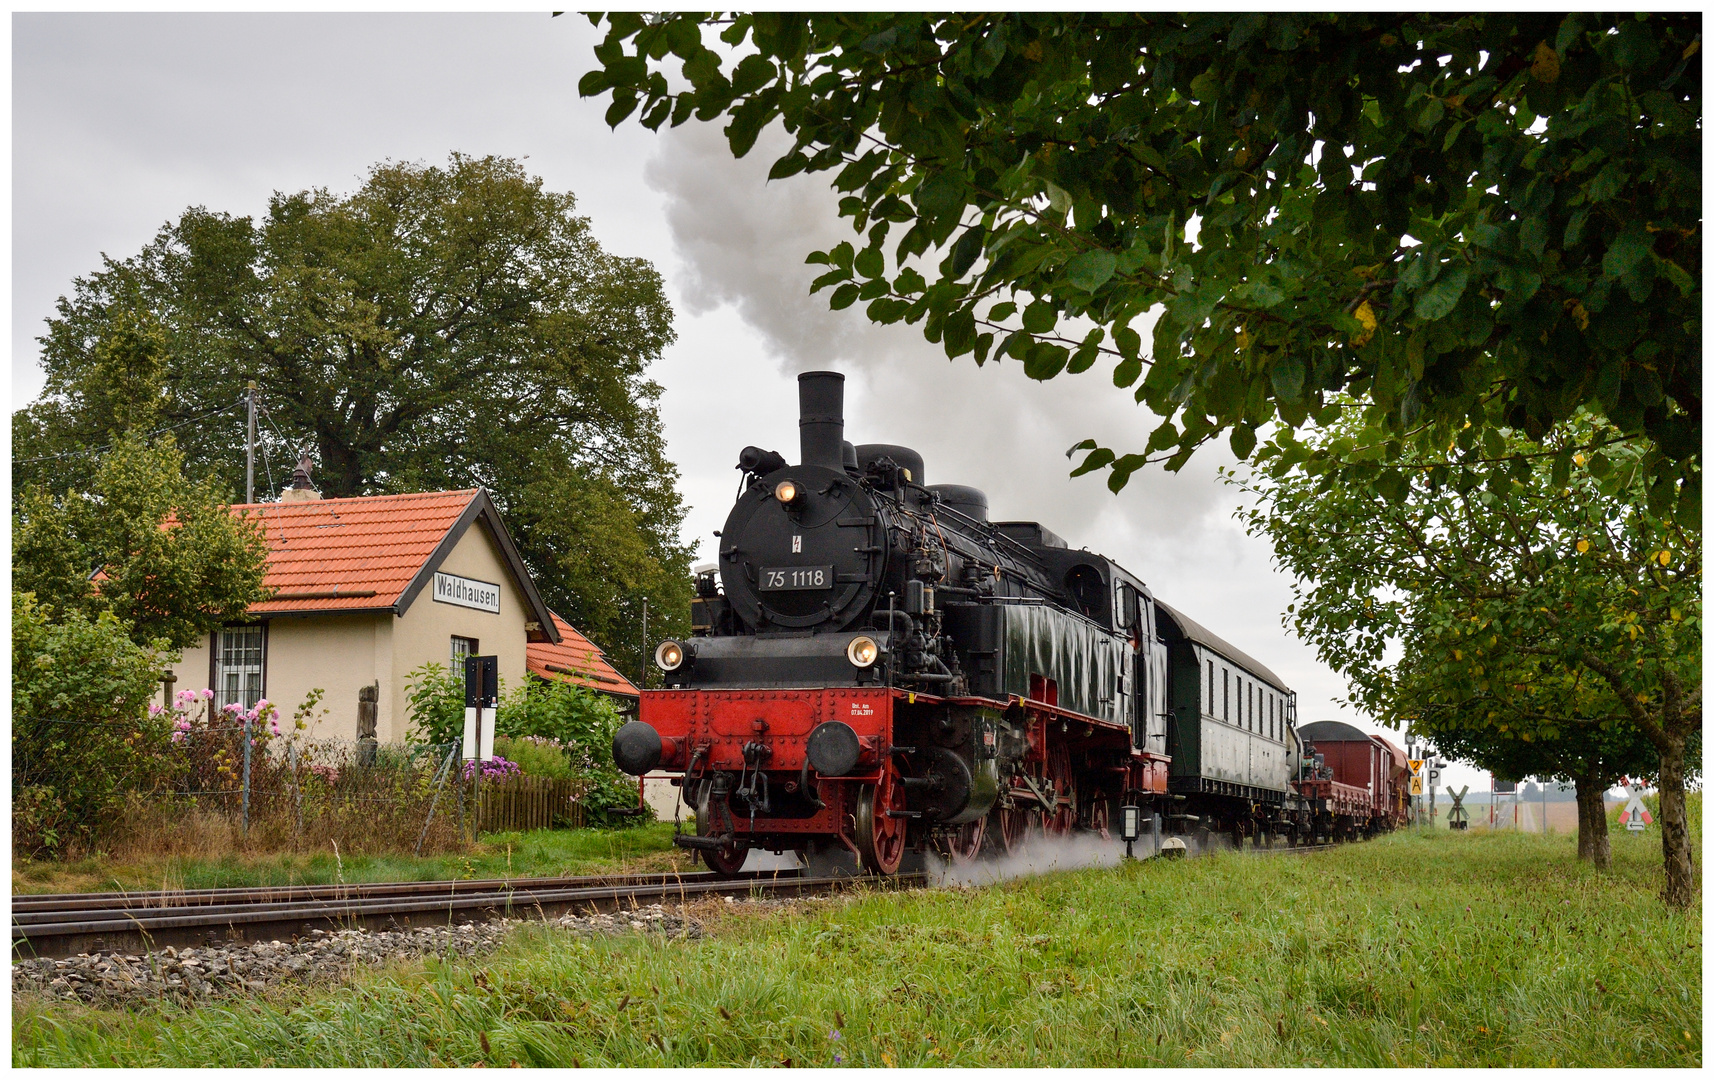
x,y
120,122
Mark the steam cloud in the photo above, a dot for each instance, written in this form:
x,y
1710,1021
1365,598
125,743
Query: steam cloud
x,y
741,240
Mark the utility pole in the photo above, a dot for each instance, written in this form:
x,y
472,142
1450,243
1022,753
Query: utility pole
x,y
250,448
643,682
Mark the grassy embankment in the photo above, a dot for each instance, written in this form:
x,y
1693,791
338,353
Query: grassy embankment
x,y
542,853
1422,949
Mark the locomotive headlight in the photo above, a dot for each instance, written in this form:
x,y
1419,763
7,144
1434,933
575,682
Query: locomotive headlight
x,y
669,656
862,652
787,492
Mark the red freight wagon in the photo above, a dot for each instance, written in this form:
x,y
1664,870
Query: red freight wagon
x,y
1398,785
1362,766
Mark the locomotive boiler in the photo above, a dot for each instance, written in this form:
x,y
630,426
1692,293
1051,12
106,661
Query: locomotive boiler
x,y
877,667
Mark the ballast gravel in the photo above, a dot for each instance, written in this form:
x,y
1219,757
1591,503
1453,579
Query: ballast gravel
x,y
206,972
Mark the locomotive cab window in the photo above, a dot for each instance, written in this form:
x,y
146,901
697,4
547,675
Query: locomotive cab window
x,y
1087,591
1129,607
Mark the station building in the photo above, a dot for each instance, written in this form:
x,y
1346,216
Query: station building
x,y
369,589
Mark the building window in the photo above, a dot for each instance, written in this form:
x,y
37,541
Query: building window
x,y
462,647
238,666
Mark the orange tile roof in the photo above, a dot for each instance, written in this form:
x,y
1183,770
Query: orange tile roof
x,y
370,546
575,658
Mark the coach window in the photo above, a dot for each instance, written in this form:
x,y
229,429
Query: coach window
x,y
1210,688
1225,694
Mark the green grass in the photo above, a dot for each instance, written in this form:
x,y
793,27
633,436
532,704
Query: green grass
x,y
1413,950
541,853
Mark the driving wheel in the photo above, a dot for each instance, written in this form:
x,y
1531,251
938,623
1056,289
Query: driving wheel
x,y
964,843
723,861
880,836
1099,818
1015,827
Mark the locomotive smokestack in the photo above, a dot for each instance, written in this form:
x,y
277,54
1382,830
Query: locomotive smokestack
x,y
821,419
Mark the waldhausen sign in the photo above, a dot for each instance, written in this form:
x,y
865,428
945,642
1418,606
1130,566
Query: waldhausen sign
x,y
467,592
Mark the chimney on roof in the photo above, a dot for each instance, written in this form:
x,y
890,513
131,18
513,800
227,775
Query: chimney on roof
x,y
301,490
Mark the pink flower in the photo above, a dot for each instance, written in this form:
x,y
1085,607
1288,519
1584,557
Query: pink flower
x,y
156,710
178,736
207,694
234,707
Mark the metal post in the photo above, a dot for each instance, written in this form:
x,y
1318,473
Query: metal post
x,y
250,448
644,681
246,796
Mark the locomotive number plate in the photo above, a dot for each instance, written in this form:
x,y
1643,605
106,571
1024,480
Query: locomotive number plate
x,y
784,578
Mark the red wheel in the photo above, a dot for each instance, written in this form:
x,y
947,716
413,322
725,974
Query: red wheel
x,y
963,845
1063,784
1098,818
880,836
724,862
1015,827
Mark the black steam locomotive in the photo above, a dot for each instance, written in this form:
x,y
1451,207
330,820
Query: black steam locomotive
x,y
877,667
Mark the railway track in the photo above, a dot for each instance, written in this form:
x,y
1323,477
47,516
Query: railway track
x,y
68,924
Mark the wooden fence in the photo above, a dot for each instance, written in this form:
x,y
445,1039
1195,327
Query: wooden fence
x,y
529,802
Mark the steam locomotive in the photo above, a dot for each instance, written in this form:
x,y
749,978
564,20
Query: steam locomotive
x,y
877,668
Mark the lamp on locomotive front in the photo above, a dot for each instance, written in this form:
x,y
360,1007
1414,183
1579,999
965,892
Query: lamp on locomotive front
x,y
863,652
669,655
788,493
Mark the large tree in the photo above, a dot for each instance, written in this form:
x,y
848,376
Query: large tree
x,y
162,553
1489,218
440,327
1487,597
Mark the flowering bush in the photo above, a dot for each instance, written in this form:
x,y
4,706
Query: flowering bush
x,y
577,720
495,768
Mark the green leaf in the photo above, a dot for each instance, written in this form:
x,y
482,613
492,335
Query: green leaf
x,y
1127,372
1002,311
754,72
843,297
1438,300
1040,317
1627,250
1092,269
1533,235
1243,440
1286,376
965,252
1086,353
1100,457
1043,361
870,262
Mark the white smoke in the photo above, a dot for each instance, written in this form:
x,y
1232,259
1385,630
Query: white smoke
x,y
741,241
1039,854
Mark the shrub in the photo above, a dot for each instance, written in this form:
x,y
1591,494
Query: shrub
x,y
82,733
535,756
579,719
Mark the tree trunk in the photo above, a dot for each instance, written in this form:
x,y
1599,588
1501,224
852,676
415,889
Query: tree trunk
x,y
1593,842
1680,888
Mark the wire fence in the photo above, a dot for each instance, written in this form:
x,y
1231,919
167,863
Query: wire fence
x,y
300,793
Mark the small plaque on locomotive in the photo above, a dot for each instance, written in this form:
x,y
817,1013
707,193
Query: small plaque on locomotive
x,y
787,578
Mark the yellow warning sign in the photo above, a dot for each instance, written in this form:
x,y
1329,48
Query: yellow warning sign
x,y
1415,769
1416,785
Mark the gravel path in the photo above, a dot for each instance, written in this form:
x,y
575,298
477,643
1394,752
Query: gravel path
x,y
209,972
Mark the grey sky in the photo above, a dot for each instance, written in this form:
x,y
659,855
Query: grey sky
x,y
120,122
